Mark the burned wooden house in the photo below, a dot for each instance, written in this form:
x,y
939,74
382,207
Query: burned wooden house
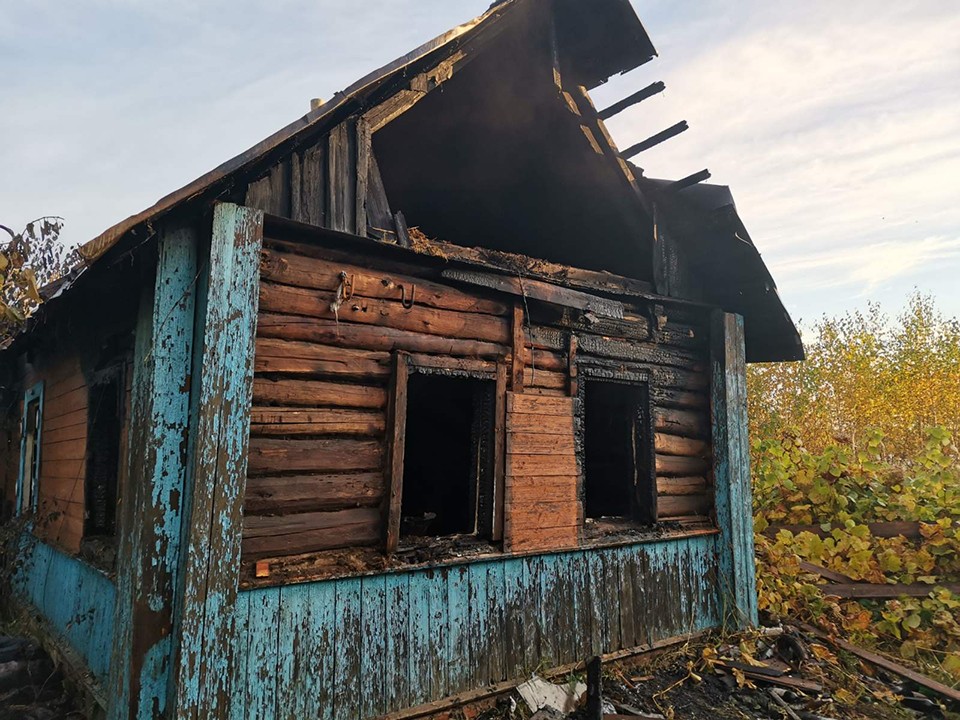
x,y
428,389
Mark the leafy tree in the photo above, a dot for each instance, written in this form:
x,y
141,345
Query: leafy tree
x,y
864,373
30,260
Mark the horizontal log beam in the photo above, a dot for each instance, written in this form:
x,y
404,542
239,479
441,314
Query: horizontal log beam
x,y
631,100
655,140
371,337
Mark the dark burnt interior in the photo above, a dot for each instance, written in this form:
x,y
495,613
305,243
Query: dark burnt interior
x,y
496,158
616,452
447,455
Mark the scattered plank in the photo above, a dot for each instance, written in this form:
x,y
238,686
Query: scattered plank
x,y
882,662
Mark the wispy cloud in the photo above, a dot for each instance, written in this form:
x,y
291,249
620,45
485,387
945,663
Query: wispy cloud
x,y
837,125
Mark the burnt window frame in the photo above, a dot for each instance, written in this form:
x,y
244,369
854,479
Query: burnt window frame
x,y
33,394
490,528
116,374
643,512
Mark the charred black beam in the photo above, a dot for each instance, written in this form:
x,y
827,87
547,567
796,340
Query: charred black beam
x,y
689,180
640,96
654,140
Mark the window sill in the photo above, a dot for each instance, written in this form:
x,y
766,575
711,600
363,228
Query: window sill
x,y
440,553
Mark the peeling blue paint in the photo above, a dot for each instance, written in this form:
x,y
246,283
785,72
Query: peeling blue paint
x,y
734,504
362,647
76,600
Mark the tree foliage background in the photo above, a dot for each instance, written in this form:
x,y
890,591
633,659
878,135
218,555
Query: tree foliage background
x,y
864,431
29,260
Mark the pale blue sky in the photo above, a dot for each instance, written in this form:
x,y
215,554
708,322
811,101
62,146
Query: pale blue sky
x,y
837,125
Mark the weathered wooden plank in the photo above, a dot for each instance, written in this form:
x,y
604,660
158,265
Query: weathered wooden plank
x,y
624,597
682,505
223,391
677,445
478,625
311,540
528,464
535,443
271,421
372,337
439,631
518,403
420,669
682,485
520,422
495,645
458,638
397,418
675,465
149,562
558,538
303,493
514,601
548,489
293,675
341,178
328,274
264,651
256,526
271,192
532,570
317,393
240,649
286,356
538,290
398,647
545,379
378,205
323,650
499,451
388,313
364,153
312,197
519,349
528,518
599,627
535,268
731,469
318,455
373,646
681,422
348,649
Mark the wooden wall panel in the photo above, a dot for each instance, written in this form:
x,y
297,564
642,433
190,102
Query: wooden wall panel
x,y
60,508
362,647
76,600
326,333
542,510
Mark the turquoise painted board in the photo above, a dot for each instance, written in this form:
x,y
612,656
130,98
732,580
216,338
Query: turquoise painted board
x,y
734,503
360,647
76,601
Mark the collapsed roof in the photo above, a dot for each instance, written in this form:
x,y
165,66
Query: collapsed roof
x,y
512,155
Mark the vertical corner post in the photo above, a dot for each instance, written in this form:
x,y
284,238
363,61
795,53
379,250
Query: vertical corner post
x,y
731,470
223,387
152,512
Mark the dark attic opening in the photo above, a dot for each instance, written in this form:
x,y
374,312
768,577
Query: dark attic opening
x,y
105,425
499,156
618,477
448,456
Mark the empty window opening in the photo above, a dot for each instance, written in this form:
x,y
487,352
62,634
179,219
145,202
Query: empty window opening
x,y
617,447
30,449
105,425
448,456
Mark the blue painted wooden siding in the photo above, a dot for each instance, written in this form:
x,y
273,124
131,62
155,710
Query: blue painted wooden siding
x,y
731,452
360,647
76,600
